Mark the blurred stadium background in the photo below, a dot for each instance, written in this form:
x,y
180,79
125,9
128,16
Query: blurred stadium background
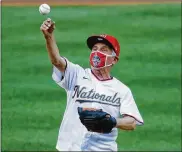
x,y
150,64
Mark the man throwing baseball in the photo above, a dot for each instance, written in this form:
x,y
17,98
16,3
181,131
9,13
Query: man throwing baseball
x,y
97,103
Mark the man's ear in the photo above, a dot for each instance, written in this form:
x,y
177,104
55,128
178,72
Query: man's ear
x,y
115,60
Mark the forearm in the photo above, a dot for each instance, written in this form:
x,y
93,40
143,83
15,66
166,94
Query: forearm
x,y
53,53
126,123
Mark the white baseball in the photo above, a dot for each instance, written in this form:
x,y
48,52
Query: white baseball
x,y
44,9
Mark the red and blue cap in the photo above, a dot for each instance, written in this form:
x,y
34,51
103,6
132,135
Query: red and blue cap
x,y
109,40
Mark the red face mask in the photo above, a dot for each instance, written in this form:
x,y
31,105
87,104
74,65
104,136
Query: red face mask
x,y
98,59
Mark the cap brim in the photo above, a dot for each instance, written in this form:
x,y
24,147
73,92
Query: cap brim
x,y
92,40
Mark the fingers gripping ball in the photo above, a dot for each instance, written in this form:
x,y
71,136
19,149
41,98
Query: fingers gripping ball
x,y
96,120
44,9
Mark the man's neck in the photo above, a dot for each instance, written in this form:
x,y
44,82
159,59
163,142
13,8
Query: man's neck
x,y
102,74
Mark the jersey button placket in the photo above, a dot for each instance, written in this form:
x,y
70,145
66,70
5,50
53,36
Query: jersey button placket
x,y
95,89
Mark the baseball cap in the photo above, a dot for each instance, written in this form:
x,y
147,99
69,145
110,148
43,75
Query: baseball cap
x,y
109,40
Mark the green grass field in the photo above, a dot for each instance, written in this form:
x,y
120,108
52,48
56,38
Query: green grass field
x,y
150,64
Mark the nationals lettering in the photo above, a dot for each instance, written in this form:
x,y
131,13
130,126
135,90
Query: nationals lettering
x,y
81,92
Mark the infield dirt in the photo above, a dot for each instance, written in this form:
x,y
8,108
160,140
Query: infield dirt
x,y
82,2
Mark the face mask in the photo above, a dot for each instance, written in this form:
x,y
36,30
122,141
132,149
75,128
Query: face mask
x,y
98,59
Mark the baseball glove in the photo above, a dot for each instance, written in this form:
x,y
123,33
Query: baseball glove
x,y
96,120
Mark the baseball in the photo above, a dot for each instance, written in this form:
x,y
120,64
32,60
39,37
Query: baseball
x,y
44,9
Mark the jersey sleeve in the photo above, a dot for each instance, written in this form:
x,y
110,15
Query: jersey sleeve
x,y
67,79
129,107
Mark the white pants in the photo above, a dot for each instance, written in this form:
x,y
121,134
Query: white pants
x,y
92,142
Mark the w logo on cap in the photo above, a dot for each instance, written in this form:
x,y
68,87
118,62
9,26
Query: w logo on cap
x,y
103,35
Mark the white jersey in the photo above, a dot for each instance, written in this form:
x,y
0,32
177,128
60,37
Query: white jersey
x,y
85,90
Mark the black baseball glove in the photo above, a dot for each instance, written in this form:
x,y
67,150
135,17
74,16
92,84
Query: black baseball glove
x,y
96,120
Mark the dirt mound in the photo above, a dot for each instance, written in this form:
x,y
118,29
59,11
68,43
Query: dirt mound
x,y
82,2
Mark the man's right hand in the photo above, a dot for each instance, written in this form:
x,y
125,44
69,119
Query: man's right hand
x,y
47,28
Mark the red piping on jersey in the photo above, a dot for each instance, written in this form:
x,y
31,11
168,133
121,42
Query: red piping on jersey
x,y
101,80
132,117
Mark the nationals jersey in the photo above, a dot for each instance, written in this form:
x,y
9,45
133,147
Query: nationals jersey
x,y
85,90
